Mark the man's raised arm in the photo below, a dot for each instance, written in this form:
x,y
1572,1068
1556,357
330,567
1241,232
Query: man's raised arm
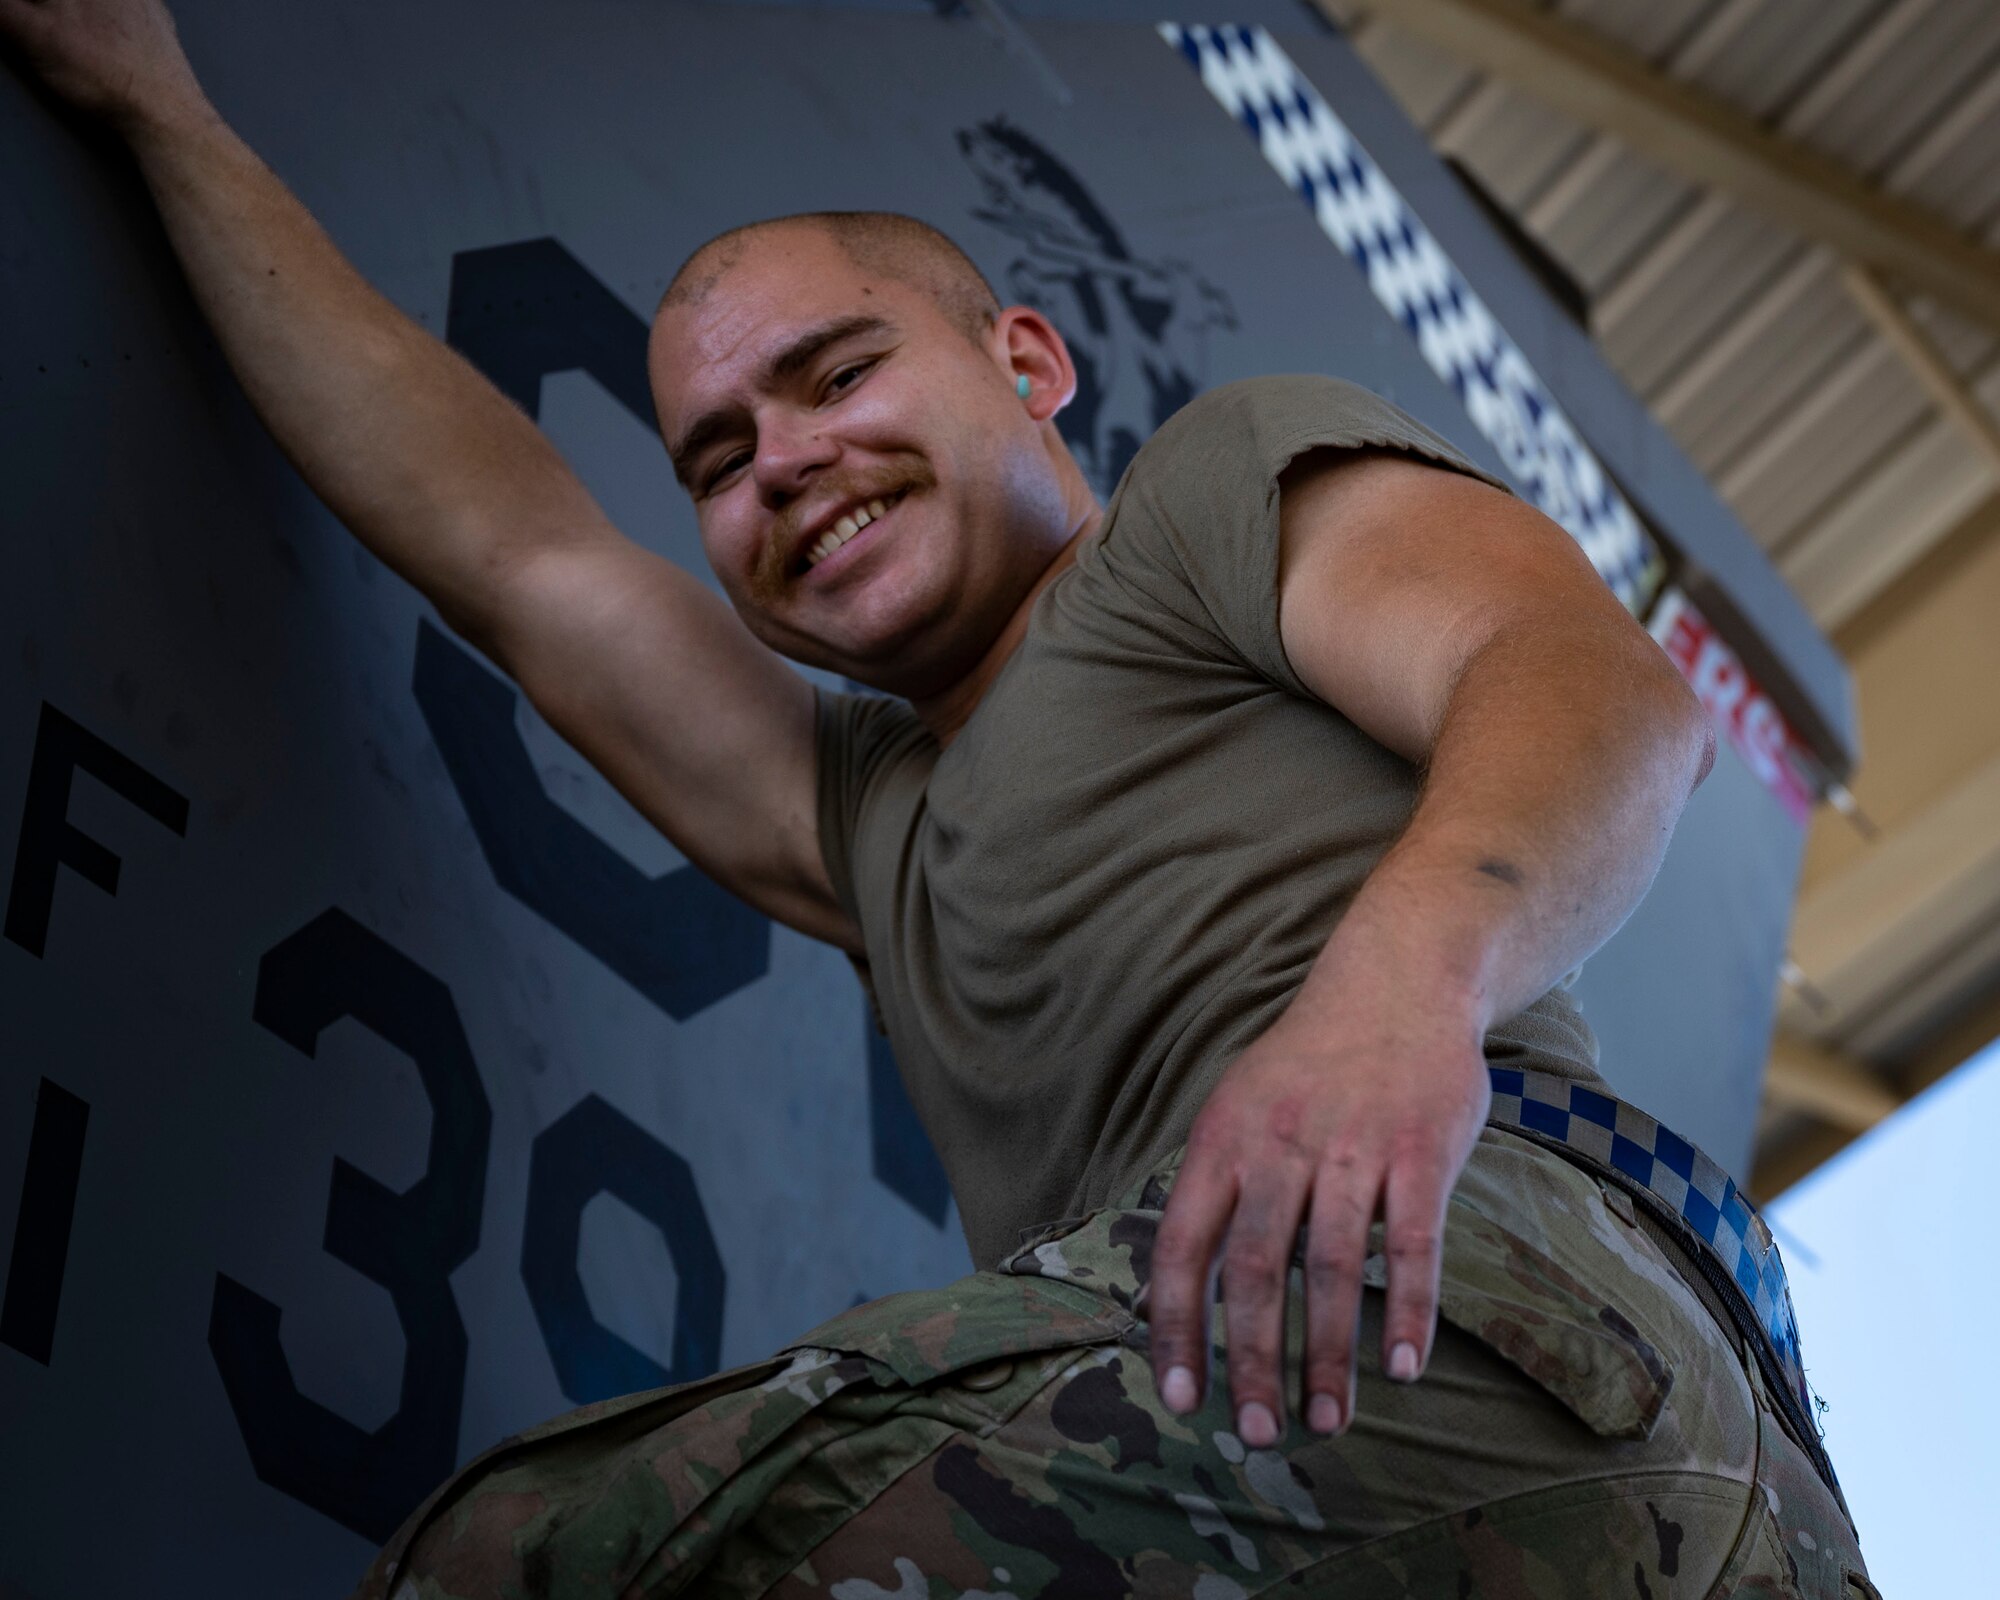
x,y
636,662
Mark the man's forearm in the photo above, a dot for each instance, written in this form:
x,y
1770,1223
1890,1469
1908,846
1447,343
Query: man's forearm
x,y
1559,769
407,444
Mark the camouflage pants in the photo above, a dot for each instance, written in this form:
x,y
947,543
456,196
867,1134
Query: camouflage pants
x,y
1585,1429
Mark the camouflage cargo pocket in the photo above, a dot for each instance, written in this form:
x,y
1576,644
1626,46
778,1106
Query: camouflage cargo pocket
x,y
1560,1329
1533,1270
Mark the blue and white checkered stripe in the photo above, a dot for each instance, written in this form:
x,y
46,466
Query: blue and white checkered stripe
x,y
1361,212
1694,1188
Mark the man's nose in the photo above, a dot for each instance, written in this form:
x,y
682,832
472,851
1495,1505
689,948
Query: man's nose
x,y
790,451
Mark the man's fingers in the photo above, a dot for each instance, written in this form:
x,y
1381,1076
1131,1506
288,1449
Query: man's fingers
x,y
1191,1231
1343,1205
1256,1267
1413,1204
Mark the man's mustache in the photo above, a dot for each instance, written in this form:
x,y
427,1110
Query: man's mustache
x,y
774,568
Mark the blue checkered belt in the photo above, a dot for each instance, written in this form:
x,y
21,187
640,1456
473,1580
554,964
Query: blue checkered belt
x,y
1696,1201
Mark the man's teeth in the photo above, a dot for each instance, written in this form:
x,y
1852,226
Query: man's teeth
x,y
846,528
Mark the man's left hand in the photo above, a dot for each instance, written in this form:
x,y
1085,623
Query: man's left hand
x,y
1362,1104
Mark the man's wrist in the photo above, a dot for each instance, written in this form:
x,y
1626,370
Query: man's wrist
x,y
1400,961
156,123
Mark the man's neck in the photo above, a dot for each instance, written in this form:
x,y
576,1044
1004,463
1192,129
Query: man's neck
x,y
946,713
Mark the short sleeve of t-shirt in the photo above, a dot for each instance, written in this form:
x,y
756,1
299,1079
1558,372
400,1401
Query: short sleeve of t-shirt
x,y
874,758
1194,524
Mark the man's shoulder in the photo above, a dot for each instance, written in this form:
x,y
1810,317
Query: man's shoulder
x,y
1237,437
1281,400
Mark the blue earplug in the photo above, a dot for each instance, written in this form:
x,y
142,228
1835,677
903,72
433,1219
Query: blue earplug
x,y
1022,386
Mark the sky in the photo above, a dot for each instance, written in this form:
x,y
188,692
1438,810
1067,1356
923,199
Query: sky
x,y
1890,1253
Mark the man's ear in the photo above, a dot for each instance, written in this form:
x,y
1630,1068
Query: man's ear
x,y
1027,345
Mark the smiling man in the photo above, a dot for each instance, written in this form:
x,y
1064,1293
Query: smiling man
x,y
1204,853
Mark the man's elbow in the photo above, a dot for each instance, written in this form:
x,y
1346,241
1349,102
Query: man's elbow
x,y
1694,729
1705,761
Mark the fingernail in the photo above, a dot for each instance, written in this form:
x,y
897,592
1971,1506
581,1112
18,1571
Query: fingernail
x,y
1323,1414
1403,1362
1256,1426
1177,1389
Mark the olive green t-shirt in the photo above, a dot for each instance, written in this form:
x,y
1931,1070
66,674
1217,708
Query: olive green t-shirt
x,y
1120,870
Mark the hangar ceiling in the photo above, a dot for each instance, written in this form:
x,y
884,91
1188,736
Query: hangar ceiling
x,y
1782,220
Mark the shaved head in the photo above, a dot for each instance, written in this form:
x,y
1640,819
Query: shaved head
x,y
881,242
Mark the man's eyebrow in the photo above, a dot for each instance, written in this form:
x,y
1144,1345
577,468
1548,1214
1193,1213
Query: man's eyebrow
x,y
800,353
786,364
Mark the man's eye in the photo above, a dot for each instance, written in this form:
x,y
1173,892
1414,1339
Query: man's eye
x,y
840,383
728,465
